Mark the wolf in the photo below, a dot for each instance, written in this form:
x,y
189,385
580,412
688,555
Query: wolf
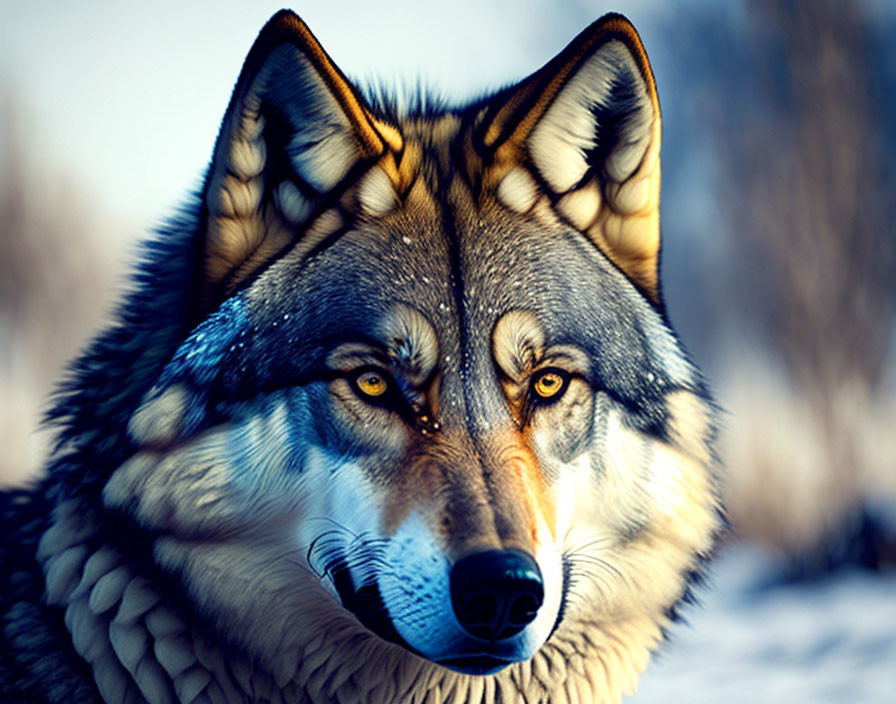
x,y
392,413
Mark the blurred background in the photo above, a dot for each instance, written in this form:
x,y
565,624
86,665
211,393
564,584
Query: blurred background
x,y
779,260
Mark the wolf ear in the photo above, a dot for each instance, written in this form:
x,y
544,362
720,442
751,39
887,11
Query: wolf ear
x,y
295,134
587,128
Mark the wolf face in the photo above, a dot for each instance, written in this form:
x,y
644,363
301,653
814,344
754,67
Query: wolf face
x,y
407,419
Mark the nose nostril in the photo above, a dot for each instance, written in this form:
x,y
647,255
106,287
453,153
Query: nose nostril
x,y
478,614
523,610
496,593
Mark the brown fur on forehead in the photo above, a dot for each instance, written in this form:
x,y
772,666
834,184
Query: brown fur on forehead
x,y
493,495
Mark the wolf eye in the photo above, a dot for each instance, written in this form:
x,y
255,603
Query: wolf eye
x,y
549,385
371,384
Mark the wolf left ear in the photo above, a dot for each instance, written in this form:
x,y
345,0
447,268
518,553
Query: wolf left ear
x,y
587,127
295,135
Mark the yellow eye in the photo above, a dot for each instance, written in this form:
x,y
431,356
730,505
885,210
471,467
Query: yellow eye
x,y
371,383
549,385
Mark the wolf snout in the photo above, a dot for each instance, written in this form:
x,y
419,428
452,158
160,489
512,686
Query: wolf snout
x,y
496,593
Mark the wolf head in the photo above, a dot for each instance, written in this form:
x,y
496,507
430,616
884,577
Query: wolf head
x,y
402,390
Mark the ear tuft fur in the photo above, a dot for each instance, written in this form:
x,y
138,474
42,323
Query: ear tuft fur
x,y
588,127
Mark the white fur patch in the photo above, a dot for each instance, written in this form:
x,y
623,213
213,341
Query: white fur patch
x,y
580,207
292,204
229,196
158,421
323,160
633,195
518,344
563,136
517,190
247,158
376,192
550,564
411,341
241,198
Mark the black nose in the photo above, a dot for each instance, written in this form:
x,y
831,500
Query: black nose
x,y
496,593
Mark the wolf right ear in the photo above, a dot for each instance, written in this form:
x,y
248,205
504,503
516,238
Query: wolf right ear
x,y
587,127
294,135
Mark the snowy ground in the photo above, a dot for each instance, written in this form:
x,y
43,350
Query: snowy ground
x,y
830,641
